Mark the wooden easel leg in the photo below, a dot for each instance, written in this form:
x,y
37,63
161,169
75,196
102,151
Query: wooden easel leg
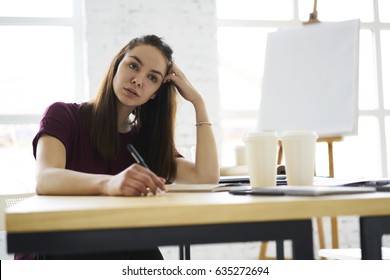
x,y
280,153
263,250
321,237
330,159
333,220
335,232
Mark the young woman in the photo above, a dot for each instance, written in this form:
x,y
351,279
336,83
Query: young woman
x,y
80,149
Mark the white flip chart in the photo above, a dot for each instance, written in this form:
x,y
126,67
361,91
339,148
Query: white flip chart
x,y
310,79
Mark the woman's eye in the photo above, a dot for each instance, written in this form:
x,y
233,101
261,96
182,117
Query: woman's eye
x,y
133,66
153,78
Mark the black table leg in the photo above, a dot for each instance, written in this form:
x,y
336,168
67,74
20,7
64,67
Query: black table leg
x,y
279,250
371,232
303,245
184,252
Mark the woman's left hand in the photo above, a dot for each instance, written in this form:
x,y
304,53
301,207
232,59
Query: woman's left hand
x,y
184,87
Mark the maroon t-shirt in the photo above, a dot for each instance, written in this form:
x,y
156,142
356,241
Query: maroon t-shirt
x,y
64,122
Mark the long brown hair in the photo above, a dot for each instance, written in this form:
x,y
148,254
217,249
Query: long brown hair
x,y
154,120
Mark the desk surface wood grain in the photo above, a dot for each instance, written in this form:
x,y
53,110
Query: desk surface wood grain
x,y
67,213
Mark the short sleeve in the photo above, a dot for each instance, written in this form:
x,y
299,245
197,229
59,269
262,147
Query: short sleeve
x,y
57,121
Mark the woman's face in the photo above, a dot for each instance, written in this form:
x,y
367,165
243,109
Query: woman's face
x,y
139,75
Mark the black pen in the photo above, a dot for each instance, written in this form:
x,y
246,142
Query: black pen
x,y
137,157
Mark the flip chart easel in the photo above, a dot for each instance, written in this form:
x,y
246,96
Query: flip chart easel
x,y
310,83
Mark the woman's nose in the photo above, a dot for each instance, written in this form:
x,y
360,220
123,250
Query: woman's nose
x,y
137,81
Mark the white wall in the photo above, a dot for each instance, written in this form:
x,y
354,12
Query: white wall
x,y
188,26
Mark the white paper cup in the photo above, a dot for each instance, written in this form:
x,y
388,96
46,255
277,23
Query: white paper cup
x,y
261,154
299,150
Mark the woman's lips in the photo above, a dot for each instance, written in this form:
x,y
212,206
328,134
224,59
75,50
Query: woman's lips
x,y
131,92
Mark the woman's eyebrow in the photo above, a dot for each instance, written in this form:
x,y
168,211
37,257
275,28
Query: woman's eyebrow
x,y
140,62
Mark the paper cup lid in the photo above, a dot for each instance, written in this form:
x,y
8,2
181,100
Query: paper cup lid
x,y
299,133
261,134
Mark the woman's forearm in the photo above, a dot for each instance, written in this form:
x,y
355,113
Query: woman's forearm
x,y
206,157
59,181
206,167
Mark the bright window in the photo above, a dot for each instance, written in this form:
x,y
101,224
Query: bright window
x,y
368,97
36,69
40,54
36,8
385,51
338,10
17,163
384,10
241,57
255,9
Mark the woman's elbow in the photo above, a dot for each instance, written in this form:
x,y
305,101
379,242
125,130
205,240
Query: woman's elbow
x,y
39,189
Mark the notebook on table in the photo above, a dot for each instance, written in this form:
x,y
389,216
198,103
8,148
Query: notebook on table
x,y
234,179
304,190
226,183
205,187
244,180
381,185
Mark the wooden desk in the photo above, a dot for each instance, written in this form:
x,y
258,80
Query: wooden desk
x,y
75,224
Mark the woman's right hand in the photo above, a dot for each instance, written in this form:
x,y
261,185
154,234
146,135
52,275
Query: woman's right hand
x,y
135,180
